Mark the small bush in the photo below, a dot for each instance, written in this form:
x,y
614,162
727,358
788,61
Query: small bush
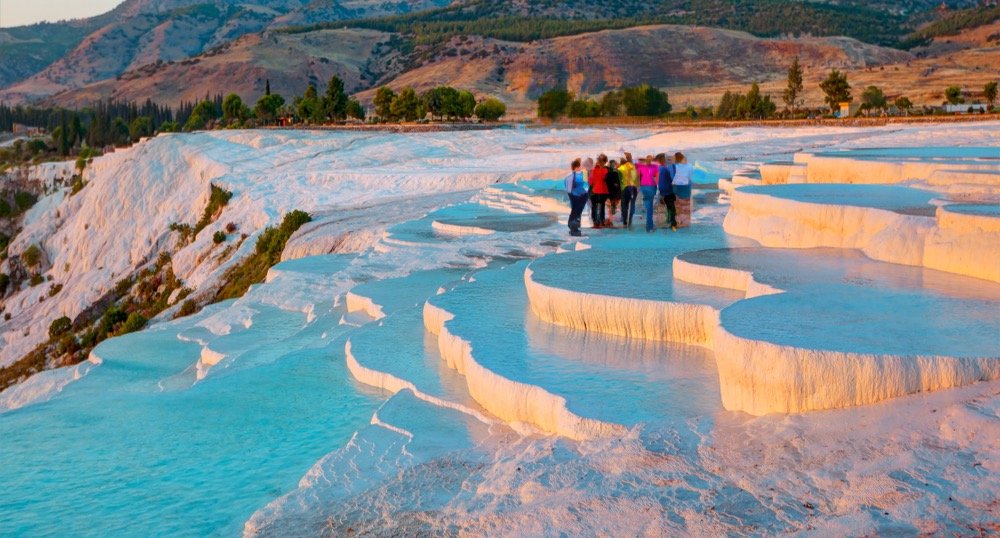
x,y
270,245
189,307
32,256
109,321
36,280
24,201
134,322
55,289
216,201
60,327
231,228
78,185
218,237
4,283
123,285
5,210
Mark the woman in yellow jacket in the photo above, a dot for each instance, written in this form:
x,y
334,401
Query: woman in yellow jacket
x,y
630,189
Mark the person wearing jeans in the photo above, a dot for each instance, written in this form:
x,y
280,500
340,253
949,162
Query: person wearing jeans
x,y
647,186
577,189
666,180
630,189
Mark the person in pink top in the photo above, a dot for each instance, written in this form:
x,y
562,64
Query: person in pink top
x,y
648,175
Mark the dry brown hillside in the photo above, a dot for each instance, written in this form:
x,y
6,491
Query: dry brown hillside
x,y
665,56
289,61
694,64
969,60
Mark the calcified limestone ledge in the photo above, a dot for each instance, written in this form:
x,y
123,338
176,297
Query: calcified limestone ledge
x,y
962,244
758,377
516,403
623,316
761,377
360,303
458,230
886,166
754,375
393,384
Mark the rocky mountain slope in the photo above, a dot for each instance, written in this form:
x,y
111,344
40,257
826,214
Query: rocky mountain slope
x,y
664,56
147,34
142,37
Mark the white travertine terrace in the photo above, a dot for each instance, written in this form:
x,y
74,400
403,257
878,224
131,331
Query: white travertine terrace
x,y
455,229
512,401
669,321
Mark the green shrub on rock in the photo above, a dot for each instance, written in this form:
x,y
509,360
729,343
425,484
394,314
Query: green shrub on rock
x,y
59,327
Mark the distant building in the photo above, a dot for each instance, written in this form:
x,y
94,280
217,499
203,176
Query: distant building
x,y
965,108
26,130
847,109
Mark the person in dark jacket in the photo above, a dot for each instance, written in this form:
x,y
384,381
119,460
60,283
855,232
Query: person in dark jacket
x,y
614,182
666,187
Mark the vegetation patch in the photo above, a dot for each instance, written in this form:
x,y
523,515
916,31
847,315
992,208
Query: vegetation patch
x,y
507,20
126,309
270,245
216,201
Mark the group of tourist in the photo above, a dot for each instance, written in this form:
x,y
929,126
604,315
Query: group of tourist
x,y
614,186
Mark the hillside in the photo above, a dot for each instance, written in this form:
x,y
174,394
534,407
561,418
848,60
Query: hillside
x,y
147,33
290,62
663,56
181,50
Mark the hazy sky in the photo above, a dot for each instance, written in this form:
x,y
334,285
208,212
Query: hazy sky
x,y
21,12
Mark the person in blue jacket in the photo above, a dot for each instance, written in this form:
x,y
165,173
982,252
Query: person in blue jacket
x,y
666,187
578,190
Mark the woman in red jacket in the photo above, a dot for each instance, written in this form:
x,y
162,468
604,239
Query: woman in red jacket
x,y
599,191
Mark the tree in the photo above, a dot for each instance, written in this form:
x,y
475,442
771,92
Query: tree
x,y
233,109
195,123
442,101
268,107
267,87
466,104
140,127
645,100
309,107
335,100
169,127
492,109
384,97
954,95
202,113
612,104
119,132
553,103
752,106
836,88
63,141
76,130
206,109
584,108
727,106
407,105
903,103
794,89
355,110
990,93
873,99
